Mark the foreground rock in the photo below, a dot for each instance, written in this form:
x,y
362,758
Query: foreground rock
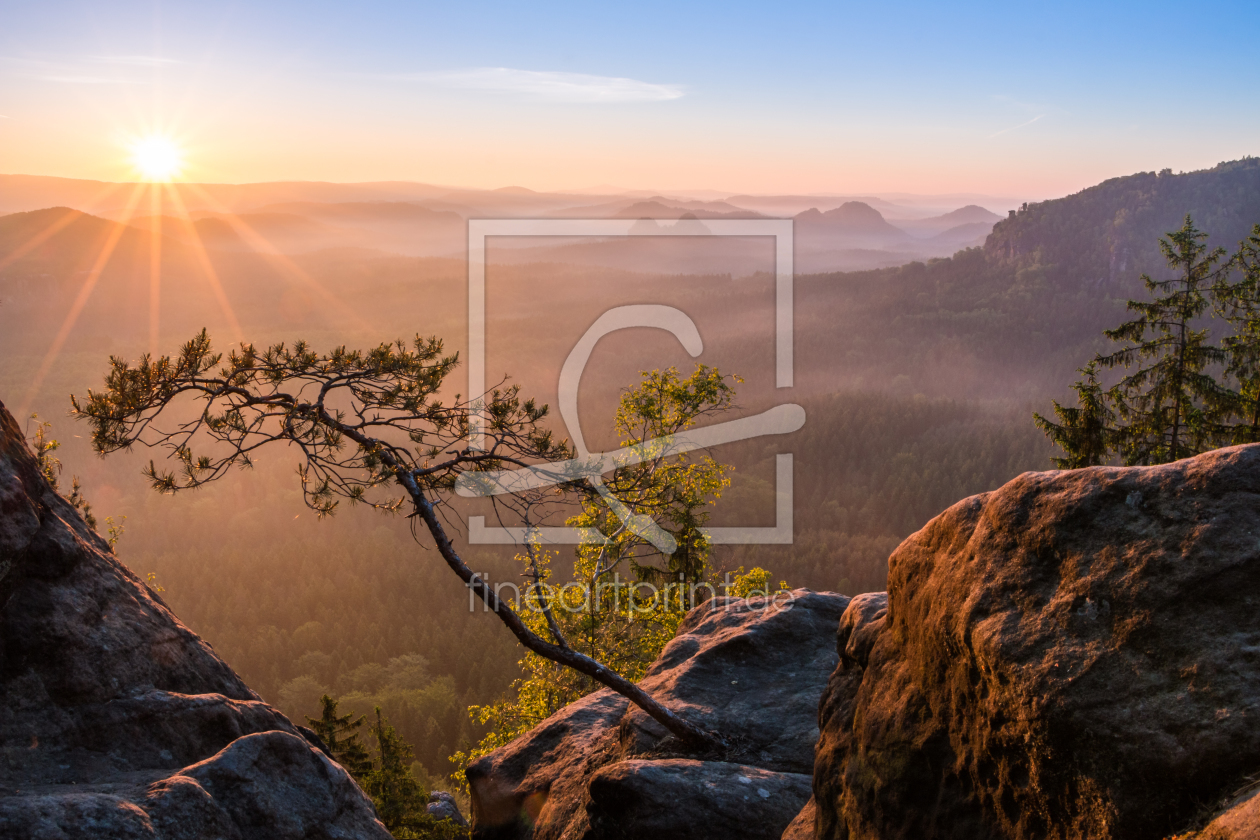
x,y
117,721
688,798
442,806
1075,655
752,670
1238,819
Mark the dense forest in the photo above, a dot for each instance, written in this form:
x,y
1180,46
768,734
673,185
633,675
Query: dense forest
x,y
919,383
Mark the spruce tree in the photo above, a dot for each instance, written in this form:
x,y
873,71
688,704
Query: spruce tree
x,y
339,735
1240,304
399,799
1084,433
1166,406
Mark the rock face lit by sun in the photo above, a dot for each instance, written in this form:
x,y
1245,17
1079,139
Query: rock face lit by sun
x,y
156,158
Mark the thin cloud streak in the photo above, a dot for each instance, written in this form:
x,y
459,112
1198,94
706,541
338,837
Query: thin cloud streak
x,y
84,80
551,86
1012,128
135,60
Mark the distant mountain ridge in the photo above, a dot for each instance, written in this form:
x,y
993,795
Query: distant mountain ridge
x,y
1109,233
851,219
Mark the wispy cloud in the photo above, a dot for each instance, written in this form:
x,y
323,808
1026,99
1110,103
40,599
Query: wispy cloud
x,y
73,72
134,60
84,80
1032,112
1012,128
552,86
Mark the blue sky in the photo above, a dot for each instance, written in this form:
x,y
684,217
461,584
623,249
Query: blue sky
x,y
1006,98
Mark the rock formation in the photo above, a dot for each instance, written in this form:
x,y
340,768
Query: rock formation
x,y
442,806
116,720
751,670
1074,655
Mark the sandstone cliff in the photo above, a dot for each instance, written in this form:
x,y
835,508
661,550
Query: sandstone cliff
x,y
1074,655
116,720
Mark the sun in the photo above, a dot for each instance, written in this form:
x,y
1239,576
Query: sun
x,y
157,158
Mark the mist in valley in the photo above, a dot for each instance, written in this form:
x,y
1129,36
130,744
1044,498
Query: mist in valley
x,y
925,335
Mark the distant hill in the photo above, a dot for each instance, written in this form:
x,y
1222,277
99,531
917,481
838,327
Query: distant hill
x,y
58,241
791,205
305,226
972,214
658,210
364,211
656,207
245,231
1108,234
20,193
851,220
969,235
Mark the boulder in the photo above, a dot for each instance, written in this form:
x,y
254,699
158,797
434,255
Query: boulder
x,y
442,806
752,670
707,800
1073,655
116,720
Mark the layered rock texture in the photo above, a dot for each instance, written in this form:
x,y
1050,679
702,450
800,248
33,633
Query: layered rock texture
x,y
752,670
116,720
1074,655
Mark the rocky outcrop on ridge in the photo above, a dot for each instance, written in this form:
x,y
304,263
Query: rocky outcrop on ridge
x,y
1074,655
752,670
116,720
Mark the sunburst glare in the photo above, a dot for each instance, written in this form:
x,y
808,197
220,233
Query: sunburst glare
x,y
157,158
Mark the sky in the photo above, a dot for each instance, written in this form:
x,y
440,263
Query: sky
x,y
1033,100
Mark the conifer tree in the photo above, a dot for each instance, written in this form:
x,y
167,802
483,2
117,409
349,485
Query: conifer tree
x,y
340,736
1084,432
398,797
1167,405
1240,304
372,427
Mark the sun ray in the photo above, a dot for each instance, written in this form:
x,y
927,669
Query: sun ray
x,y
281,262
72,317
52,230
155,268
212,277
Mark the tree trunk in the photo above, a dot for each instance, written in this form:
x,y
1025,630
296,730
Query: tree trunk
x,y
683,730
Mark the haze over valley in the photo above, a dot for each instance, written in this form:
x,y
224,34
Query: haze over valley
x,y
918,379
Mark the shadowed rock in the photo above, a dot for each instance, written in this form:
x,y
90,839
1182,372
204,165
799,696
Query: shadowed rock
x,y
642,800
104,695
1074,655
751,670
